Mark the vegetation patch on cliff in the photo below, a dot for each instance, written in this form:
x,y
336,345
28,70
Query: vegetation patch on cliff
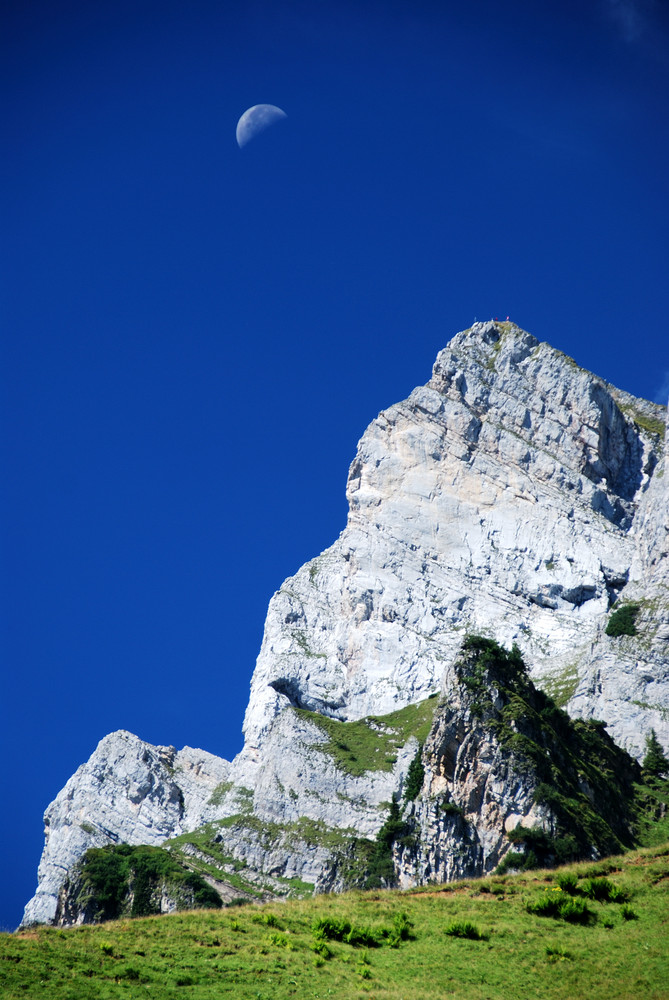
x,y
622,620
561,686
647,420
371,744
207,851
121,880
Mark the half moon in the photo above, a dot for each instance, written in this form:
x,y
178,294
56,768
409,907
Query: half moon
x,y
257,119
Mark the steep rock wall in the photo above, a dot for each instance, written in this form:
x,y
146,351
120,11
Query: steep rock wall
x,y
127,792
515,496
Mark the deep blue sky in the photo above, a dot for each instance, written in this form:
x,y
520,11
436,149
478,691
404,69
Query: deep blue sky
x,y
195,336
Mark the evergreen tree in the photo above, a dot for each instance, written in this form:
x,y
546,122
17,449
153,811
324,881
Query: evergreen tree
x,y
655,762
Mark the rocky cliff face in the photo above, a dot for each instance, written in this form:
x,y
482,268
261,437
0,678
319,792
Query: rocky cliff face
x,y
502,760
514,496
128,792
122,881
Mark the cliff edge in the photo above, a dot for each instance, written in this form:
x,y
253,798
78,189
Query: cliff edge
x,y
515,497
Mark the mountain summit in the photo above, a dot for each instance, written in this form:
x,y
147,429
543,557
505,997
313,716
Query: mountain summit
x,y
505,557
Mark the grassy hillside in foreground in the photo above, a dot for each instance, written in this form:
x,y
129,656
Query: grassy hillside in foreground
x,y
385,945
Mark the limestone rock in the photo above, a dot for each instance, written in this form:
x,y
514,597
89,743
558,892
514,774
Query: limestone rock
x,y
123,881
515,496
127,792
500,758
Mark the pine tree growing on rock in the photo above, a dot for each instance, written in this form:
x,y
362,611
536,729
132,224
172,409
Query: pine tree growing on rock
x,y
655,762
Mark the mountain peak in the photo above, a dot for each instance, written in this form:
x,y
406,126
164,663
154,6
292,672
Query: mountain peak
x,y
516,497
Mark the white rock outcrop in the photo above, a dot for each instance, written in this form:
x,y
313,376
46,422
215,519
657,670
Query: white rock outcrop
x,y
127,792
515,496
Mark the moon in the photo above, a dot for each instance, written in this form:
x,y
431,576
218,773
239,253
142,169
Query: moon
x,y
257,119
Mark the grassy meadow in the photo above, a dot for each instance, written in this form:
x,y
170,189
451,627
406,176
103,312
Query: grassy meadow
x,y
482,939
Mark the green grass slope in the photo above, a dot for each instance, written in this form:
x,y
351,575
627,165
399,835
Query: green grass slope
x,y
476,940
371,744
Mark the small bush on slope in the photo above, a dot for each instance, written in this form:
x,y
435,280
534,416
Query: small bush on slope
x,y
465,929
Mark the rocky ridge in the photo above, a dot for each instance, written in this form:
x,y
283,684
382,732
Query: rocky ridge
x,y
118,880
503,762
514,496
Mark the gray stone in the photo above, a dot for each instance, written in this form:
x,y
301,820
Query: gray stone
x,y
516,496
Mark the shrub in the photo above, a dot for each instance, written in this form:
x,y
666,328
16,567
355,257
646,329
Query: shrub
x,y
451,809
557,953
566,849
568,882
330,929
554,904
603,891
627,913
415,776
513,861
622,621
363,969
114,874
401,931
545,906
361,937
597,888
280,940
321,949
575,911
517,861
381,870
104,873
559,753
465,929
